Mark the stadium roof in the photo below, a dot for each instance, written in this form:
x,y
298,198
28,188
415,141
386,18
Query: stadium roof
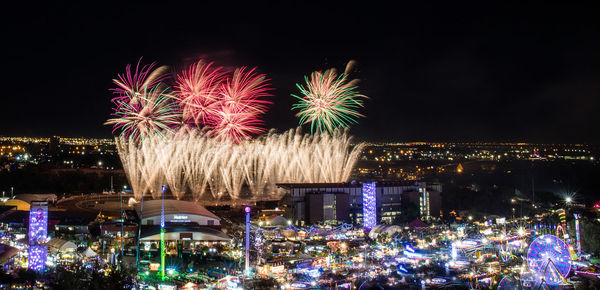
x,y
153,208
29,197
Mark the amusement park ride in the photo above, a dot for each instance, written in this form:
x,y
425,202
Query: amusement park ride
x,y
549,258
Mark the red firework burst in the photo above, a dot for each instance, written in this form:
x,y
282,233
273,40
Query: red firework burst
x,y
229,106
198,92
241,105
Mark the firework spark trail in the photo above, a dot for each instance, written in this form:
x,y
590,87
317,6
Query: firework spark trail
x,y
225,169
329,100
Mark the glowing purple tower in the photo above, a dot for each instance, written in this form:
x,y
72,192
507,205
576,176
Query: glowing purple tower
x,y
247,211
38,235
369,205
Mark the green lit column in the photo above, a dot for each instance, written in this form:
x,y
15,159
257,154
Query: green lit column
x,y
162,253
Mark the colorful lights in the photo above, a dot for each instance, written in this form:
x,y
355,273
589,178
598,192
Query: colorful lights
x,y
369,194
37,257
38,235
549,257
563,225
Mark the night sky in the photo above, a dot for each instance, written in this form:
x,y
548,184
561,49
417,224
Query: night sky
x,y
433,72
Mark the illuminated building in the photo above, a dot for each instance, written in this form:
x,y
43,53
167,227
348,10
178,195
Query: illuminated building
x,y
186,225
311,203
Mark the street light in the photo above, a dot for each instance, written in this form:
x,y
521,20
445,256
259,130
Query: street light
x,y
568,199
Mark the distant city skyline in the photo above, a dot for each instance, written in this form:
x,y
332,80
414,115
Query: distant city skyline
x,y
368,142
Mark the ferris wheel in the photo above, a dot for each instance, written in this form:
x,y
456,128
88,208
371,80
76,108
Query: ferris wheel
x,y
549,259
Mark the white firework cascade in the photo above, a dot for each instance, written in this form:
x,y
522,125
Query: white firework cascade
x,y
190,161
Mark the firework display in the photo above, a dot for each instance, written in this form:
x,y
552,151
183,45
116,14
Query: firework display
x,y
328,101
549,258
196,138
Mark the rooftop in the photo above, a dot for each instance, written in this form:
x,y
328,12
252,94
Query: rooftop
x,y
172,206
345,184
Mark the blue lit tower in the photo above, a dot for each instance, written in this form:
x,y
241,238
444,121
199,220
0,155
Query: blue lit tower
x,y
247,210
369,194
162,235
38,235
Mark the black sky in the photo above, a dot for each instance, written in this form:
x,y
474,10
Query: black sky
x,y
437,72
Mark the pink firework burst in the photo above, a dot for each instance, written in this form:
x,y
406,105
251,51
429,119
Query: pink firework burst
x,y
245,90
132,83
228,105
197,90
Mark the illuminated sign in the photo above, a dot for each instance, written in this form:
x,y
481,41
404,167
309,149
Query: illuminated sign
x,y
180,217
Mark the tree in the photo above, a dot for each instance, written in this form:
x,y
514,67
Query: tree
x,y
27,275
93,278
590,231
408,212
